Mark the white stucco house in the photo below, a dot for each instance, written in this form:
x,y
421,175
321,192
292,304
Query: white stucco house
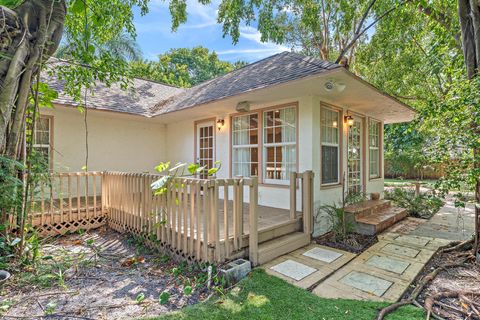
x,y
281,114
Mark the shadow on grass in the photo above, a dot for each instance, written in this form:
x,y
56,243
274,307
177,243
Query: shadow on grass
x,y
261,296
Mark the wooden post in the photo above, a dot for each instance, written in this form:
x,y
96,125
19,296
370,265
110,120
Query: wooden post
x,y
206,218
307,191
225,221
417,188
240,215
293,195
253,222
216,220
60,197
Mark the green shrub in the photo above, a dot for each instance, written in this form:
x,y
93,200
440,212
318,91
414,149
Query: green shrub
x,y
424,205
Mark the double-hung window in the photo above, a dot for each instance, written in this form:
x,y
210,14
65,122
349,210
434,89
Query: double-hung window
x,y
374,148
42,139
279,144
330,146
245,145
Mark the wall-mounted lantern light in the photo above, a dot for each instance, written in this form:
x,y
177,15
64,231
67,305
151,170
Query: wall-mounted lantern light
x,y
348,119
220,124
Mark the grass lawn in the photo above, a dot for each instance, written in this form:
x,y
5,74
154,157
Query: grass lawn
x,y
407,182
261,296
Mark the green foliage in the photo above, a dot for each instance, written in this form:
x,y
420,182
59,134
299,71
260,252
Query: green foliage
x,y
10,184
424,205
183,67
164,297
140,297
162,185
91,29
337,216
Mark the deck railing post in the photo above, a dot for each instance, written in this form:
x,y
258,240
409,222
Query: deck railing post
x,y
253,222
293,195
307,199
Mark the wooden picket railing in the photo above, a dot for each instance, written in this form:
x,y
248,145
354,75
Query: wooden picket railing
x,y
190,218
199,219
67,202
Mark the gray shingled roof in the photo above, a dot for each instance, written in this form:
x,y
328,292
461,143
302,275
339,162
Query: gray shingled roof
x,y
276,69
139,99
148,98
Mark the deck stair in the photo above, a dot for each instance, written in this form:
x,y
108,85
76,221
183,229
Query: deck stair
x,y
281,245
373,216
283,239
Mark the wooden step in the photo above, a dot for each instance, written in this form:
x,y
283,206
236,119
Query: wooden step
x,y
375,223
274,248
367,207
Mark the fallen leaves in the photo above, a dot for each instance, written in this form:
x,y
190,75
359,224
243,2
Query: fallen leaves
x,y
133,261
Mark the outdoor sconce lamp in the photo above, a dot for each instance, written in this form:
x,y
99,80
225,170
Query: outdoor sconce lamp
x,y
220,124
349,120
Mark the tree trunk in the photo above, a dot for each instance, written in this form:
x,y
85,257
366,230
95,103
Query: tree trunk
x,y
469,15
30,35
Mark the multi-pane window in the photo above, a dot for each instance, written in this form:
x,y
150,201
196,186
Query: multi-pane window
x,y
374,148
42,136
279,144
206,148
330,145
245,145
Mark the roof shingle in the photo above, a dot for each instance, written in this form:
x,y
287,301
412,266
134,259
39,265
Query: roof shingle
x,y
148,98
276,69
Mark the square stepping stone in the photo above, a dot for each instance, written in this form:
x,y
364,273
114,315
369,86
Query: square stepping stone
x,y
366,282
293,269
413,240
387,263
400,250
322,254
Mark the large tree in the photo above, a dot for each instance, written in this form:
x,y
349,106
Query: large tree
x,y
469,15
183,67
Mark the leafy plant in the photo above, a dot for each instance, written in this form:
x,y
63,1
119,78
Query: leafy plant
x,y
187,290
164,297
425,205
140,297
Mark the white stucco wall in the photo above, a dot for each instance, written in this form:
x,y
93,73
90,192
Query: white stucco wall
x,y
180,147
116,141
135,144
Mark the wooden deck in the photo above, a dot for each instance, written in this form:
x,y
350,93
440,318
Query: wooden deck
x,y
190,219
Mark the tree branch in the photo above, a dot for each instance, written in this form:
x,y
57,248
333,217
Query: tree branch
x,y
359,33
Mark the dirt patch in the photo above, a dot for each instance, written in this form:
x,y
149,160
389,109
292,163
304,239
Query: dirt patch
x,y
354,242
102,275
465,278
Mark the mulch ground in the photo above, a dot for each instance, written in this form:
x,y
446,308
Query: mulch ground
x,y
354,242
109,277
465,278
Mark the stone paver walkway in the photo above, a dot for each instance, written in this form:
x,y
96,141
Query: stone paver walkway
x,y
308,266
385,270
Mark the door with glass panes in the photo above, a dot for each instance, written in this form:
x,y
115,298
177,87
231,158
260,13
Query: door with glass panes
x,y
205,146
355,157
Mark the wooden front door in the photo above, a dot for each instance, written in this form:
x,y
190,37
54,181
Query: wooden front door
x,y
205,145
355,157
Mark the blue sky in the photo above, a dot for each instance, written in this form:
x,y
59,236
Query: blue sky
x,y
154,34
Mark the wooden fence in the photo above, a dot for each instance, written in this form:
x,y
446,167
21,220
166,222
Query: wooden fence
x,y
67,202
191,218
198,219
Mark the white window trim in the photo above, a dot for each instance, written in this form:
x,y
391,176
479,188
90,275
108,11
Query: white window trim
x,y
244,146
50,137
370,147
329,144
265,145
261,146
